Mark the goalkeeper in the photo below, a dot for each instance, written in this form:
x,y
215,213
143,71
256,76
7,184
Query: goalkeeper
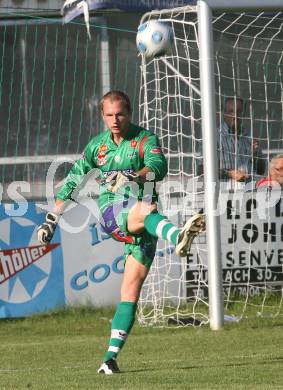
x,y
126,156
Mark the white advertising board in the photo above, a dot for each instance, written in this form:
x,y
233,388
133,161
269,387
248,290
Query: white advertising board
x,y
251,227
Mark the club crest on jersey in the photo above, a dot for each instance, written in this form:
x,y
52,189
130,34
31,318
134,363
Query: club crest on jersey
x,y
134,143
156,150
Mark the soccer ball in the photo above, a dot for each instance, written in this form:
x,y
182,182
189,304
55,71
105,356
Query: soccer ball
x,y
154,39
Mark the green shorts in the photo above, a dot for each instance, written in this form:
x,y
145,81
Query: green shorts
x,y
142,246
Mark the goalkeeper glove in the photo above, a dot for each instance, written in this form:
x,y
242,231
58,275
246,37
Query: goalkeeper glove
x,y
120,178
46,231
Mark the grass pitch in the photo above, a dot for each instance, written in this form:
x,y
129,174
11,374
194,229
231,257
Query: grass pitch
x,y
63,350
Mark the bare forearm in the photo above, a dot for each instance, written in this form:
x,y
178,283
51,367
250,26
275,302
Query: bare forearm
x,y
143,173
60,206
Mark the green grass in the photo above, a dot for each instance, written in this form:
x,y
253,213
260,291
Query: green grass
x,y
63,351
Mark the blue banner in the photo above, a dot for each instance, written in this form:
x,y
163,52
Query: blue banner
x,y
31,274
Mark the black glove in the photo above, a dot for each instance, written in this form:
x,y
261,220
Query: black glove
x,y
46,231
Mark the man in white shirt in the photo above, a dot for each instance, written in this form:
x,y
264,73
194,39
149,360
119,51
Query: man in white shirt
x,y
239,155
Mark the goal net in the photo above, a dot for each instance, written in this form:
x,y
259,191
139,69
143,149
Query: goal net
x,y
51,80
248,64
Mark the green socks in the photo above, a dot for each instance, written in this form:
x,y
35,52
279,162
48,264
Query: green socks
x,y
159,226
121,326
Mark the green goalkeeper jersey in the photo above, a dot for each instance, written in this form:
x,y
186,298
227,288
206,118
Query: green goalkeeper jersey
x,y
140,148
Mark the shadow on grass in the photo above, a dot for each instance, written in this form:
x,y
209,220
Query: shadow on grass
x,y
246,363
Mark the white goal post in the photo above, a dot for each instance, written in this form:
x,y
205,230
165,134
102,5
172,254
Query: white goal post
x,y
208,110
164,103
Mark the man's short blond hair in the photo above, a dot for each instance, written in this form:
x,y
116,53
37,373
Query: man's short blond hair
x,y
114,96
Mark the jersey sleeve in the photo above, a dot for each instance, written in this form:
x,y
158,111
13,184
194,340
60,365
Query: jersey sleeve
x,y
154,157
77,173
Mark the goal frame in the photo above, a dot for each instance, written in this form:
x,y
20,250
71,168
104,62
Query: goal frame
x,y
205,9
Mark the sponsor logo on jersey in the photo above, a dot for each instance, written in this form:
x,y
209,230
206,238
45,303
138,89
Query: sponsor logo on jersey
x,y
117,158
132,155
102,148
101,157
101,154
109,173
134,143
156,150
101,161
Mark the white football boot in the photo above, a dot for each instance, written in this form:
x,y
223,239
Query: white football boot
x,y
192,228
109,367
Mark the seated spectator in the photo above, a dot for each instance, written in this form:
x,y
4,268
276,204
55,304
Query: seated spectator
x,y
275,176
239,155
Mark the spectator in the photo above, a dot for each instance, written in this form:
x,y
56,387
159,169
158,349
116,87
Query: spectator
x,y
240,156
275,176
